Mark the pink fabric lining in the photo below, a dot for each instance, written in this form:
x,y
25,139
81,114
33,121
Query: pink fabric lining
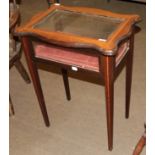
x,y
68,57
72,57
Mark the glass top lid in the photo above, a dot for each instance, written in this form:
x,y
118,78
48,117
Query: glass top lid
x,y
80,24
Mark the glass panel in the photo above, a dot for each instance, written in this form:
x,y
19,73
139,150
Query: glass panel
x,y
84,25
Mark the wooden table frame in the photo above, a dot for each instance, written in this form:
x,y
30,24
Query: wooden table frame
x,y
106,54
133,1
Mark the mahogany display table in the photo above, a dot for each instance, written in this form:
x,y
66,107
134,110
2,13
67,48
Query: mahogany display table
x,y
81,39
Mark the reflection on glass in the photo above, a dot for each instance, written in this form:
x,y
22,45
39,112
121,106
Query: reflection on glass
x,y
84,25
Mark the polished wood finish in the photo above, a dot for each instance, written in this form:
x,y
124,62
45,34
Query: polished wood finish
x,y
35,78
108,76
107,48
129,66
107,53
66,83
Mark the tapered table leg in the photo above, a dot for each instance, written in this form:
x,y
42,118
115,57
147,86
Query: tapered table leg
x,y
129,66
108,76
22,71
35,78
11,108
66,83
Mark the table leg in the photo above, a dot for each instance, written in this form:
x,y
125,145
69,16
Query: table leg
x,y
129,65
22,71
108,64
11,108
35,78
66,83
